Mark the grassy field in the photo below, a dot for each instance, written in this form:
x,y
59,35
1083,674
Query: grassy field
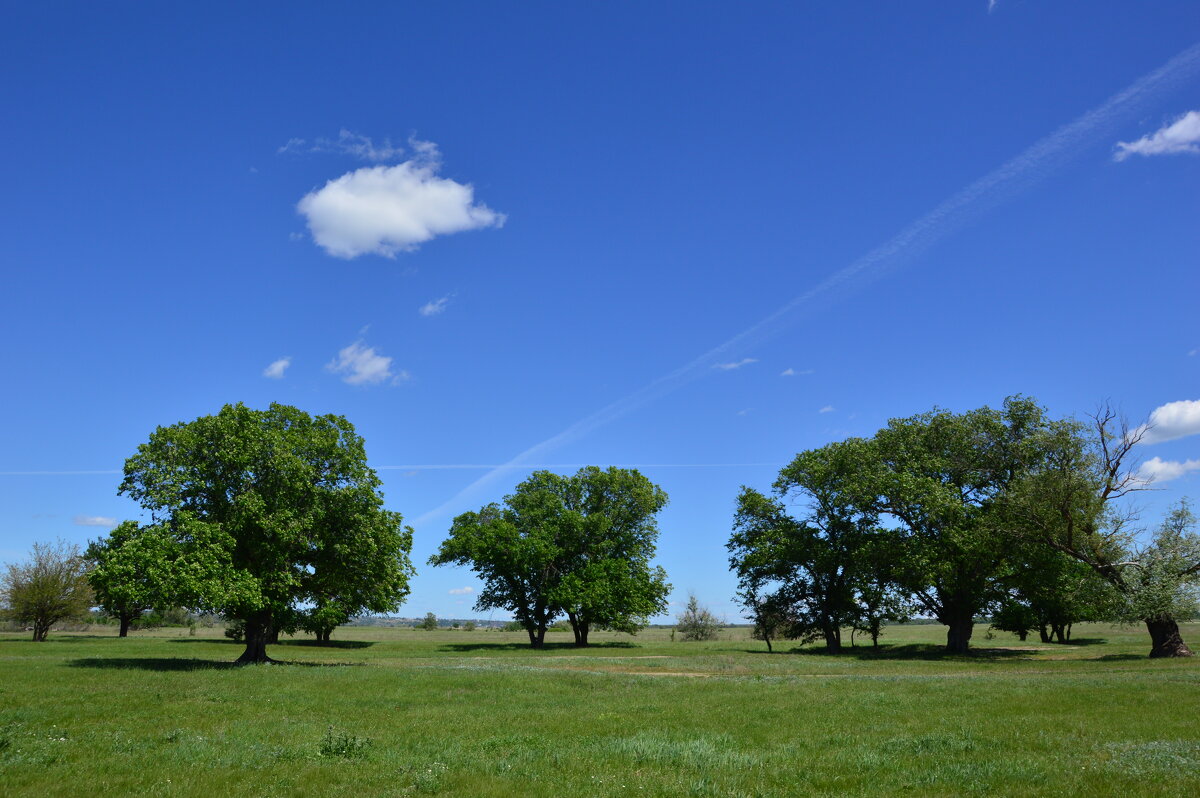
x,y
400,712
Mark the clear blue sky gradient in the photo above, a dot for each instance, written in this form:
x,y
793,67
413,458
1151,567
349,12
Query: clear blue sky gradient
x,y
680,182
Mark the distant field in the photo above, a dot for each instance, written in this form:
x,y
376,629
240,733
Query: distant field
x,y
391,712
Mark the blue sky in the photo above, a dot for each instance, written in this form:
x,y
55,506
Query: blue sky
x,y
692,237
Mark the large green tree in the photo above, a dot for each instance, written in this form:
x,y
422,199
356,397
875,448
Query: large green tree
x,y
130,571
579,545
266,512
805,573
1074,500
941,478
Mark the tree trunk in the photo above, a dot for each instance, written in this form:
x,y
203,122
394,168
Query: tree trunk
x,y
833,639
1021,635
125,619
767,638
580,628
40,630
1165,640
1044,635
258,629
958,636
1069,632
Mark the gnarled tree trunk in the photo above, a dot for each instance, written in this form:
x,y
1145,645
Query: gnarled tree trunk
x,y
833,639
258,630
958,635
1165,640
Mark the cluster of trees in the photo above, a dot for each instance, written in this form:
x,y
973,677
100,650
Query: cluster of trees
x,y
1001,512
271,518
578,546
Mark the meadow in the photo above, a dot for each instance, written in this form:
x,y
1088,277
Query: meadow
x,y
393,712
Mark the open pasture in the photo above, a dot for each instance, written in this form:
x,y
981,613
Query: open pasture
x,y
401,712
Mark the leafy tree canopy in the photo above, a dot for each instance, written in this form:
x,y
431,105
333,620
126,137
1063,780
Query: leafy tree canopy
x,y
263,511
579,545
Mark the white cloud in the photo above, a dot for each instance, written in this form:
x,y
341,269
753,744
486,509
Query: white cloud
x,y
790,372
350,143
435,307
276,369
1182,135
1172,420
388,209
746,361
462,591
93,520
362,365
826,409
1157,469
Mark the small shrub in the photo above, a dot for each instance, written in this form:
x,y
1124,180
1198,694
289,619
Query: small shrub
x,y
697,623
342,745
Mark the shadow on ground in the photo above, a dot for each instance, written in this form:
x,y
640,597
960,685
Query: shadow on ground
x,y
914,651
304,643
464,647
184,664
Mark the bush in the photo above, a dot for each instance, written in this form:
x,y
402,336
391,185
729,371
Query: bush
x,y
342,745
696,622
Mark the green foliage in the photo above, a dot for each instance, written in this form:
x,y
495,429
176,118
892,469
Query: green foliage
x,y
50,587
429,623
342,745
696,622
578,545
257,513
808,577
1162,579
469,626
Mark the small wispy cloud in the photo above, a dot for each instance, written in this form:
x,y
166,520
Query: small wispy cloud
x,y
362,365
992,5
827,409
94,520
461,591
383,210
1180,136
435,307
746,361
790,372
276,369
350,143
1158,470
1170,421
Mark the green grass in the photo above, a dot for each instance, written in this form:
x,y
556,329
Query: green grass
x,y
400,712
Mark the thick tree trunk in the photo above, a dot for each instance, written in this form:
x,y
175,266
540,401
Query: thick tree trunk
x,y
40,630
258,629
1044,634
833,639
958,636
1021,635
580,627
1165,640
125,620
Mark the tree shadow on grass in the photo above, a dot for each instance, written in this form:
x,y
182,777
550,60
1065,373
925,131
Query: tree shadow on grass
x,y
465,647
1120,657
911,651
185,664
305,643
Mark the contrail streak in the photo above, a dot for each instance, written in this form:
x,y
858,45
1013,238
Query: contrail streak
x,y
1029,167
